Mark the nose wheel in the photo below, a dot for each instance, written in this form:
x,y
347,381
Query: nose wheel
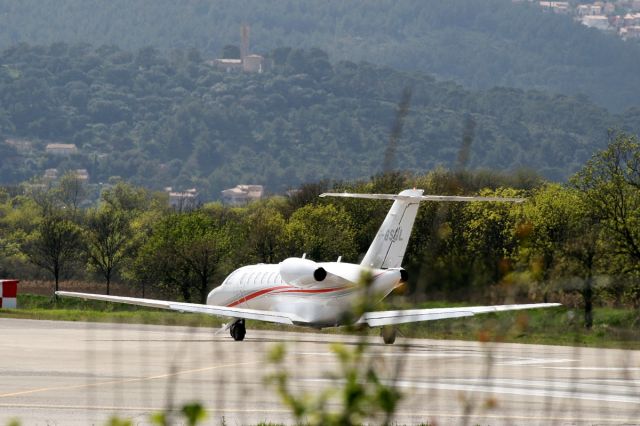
x,y
238,330
388,334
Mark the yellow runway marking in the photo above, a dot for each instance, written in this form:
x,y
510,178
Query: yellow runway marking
x,y
123,381
426,415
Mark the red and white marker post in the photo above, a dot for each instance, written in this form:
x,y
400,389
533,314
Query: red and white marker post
x,y
8,294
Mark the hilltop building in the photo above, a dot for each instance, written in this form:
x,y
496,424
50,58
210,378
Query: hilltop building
x,y
61,149
50,174
53,174
599,22
555,6
227,65
252,63
22,146
82,175
248,62
242,194
183,201
620,16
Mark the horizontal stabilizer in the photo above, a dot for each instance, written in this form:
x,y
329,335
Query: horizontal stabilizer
x,y
395,197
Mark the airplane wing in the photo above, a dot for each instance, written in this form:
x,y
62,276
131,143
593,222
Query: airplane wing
x,y
378,319
222,311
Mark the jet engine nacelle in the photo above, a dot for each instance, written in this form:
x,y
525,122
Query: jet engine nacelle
x,y
301,272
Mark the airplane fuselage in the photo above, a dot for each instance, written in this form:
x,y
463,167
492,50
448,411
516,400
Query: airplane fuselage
x,y
328,303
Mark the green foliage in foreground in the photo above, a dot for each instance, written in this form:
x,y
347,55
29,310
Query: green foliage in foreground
x,y
612,327
358,392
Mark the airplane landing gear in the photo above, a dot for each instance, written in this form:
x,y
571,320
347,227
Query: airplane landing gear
x,y
238,330
388,333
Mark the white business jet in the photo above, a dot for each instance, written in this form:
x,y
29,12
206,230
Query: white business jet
x,y
301,292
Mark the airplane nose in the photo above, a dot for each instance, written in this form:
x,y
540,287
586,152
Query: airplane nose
x,y
212,298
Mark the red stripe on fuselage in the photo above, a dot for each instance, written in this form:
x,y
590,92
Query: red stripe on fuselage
x,y
287,289
291,289
315,290
256,294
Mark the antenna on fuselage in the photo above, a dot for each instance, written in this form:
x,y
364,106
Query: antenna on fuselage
x,y
304,255
339,259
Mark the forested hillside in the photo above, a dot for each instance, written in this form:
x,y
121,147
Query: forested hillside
x,y
160,120
481,44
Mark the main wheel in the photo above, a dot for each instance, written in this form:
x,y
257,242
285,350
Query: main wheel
x,y
238,330
388,333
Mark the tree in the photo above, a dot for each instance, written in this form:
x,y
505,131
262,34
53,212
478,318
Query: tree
x,y
107,234
489,236
55,243
582,249
560,240
610,182
265,226
184,253
323,232
544,226
126,197
72,191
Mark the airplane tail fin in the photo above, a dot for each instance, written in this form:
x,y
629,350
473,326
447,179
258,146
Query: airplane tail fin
x,y
388,247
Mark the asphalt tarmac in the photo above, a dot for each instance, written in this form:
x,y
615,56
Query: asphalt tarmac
x,y
73,373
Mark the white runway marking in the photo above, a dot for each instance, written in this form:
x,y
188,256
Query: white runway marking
x,y
554,389
595,368
397,354
534,361
504,360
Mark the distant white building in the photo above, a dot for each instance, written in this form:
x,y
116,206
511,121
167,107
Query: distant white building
x,y
227,65
61,149
599,22
21,145
51,174
631,32
631,19
589,9
82,175
555,6
253,63
185,200
242,194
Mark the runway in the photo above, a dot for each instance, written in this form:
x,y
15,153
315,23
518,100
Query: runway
x,y
73,373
